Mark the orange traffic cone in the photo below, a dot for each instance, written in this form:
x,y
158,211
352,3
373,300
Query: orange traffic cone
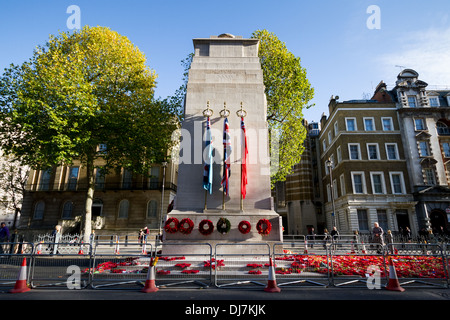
x,y
393,283
150,285
21,283
81,248
39,248
116,249
272,282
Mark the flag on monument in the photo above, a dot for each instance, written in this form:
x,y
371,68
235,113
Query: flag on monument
x,y
226,157
207,159
244,160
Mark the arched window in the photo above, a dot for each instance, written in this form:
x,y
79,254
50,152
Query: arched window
x,y
39,210
97,208
123,208
152,209
67,210
442,128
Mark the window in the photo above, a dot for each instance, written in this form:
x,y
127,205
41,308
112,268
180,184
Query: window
x,y
324,145
44,181
387,124
442,128
358,182
430,176
350,124
152,209
339,154
67,210
392,151
382,219
446,148
419,124
434,102
101,148
372,151
377,179
424,151
363,222
100,178
353,151
412,101
73,178
97,207
127,179
333,164
329,137
335,189
342,182
39,210
336,130
123,208
369,124
397,182
154,178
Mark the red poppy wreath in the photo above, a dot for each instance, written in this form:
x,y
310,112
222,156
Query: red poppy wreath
x,y
244,227
264,227
171,225
185,226
206,227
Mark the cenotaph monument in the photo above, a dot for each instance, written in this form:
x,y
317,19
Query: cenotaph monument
x,y
224,193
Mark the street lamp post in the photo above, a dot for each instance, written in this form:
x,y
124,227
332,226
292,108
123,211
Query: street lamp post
x,y
164,165
329,164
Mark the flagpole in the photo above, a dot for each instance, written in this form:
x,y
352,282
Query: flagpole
x,y
207,113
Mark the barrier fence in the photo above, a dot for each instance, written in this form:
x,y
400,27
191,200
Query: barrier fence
x,y
111,264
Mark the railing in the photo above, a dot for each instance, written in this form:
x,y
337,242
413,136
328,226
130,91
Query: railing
x,y
103,186
344,262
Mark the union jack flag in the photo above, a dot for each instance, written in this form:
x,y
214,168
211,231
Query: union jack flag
x,y
226,157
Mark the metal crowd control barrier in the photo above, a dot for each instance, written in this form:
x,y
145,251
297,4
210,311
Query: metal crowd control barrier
x,y
11,261
245,269
62,265
419,265
352,265
176,267
115,267
297,266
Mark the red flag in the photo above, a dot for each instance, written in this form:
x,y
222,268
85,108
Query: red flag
x,y
244,160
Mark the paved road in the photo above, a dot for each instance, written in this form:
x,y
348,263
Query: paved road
x,y
217,303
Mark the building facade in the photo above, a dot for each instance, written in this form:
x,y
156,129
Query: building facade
x,y
365,176
123,202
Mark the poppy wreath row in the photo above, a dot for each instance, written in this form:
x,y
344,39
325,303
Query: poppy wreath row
x,y
206,227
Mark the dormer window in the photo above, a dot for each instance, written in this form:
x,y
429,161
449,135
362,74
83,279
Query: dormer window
x,y
434,102
412,101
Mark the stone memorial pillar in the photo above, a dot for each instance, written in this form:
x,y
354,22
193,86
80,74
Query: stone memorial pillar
x,y
225,80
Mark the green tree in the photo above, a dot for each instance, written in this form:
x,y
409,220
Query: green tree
x,y
288,92
78,91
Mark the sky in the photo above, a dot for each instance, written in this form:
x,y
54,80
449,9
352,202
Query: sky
x,y
347,47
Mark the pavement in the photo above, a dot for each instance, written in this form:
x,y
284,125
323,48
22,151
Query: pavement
x,y
232,303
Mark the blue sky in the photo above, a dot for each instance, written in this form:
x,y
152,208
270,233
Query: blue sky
x,y
341,54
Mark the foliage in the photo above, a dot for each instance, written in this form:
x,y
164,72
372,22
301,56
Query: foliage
x,y
78,91
288,91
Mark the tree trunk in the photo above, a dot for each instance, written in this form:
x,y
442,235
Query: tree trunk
x,y
89,201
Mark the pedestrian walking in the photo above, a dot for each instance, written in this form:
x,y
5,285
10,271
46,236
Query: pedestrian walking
x,y
334,237
57,236
312,236
390,241
377,237
4,236
326,238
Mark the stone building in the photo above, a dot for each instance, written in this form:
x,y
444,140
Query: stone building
x,y
365,169
123,202
302,202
